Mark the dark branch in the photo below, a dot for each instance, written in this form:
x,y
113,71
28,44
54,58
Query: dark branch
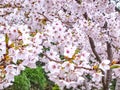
x,y
63,62
44,16
109,52
84,68
52,59
93,49
109,72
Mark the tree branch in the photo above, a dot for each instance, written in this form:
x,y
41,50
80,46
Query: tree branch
x,y
109,72
44,16
53,59
98,58
63,62
109,52
93,49
84,68
103,80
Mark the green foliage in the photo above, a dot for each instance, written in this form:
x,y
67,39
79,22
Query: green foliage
x,y
62,57
41,55
21,82
55,87
77,51
112,86
31,79
46,49
53,43
36,77
88,76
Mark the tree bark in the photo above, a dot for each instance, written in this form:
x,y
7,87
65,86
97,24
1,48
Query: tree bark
x,y
93,49
109,72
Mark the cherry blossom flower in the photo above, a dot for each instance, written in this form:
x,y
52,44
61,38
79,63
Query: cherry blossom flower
x,y
117,72
53,67
69,51
68,66
97,77
105,65
52,54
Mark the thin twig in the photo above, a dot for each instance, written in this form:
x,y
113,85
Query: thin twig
x,y
53,59
83,68
45,17
5,14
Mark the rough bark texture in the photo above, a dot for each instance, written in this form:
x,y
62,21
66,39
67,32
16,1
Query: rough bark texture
x,y
117,87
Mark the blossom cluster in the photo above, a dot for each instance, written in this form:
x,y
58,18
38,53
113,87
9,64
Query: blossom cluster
x,y
18,49
76,39
66,61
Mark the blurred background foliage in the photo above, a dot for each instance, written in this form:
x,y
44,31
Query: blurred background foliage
x,y
33,79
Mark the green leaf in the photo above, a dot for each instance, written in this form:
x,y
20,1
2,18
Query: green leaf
x,y
46,49
6,38
56,87
53,43
6,41
88,76
41,55
79,1
62,57
115,66
77,51
113,84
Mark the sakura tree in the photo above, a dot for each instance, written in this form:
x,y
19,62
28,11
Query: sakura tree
x,y
78,40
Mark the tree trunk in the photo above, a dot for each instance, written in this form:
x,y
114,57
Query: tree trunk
x,y
117,87
109,72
